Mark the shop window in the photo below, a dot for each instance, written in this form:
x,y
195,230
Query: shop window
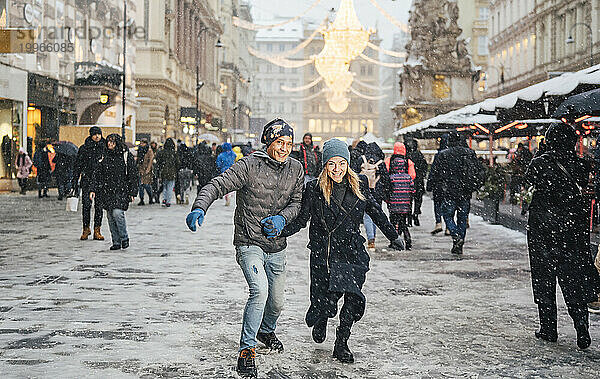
x,y
10,136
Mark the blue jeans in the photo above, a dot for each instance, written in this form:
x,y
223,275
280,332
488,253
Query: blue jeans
x,y
148,189
168,191
265,274
369,226
461,207
117,225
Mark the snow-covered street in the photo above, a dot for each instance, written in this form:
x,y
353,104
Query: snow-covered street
x,y
171,304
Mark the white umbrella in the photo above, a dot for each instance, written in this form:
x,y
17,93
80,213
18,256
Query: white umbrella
x,y
208,137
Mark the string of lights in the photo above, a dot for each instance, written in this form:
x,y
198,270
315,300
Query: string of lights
x,y
380,63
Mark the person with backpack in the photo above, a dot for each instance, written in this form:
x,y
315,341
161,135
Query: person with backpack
x,y
309,157
402,189
558,234
114,186
457,173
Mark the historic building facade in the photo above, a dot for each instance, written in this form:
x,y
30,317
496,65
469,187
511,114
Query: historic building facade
x,y
528,40
269,100
177,69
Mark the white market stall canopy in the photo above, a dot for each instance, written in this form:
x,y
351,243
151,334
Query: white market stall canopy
x,y
559,86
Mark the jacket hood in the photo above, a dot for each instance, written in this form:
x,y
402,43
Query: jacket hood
x,y
169,144
361,147
399,148
226,146
455,139
398,165
374,152
237,150
561,137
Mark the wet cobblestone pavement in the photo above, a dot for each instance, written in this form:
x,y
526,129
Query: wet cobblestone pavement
x,y
171,305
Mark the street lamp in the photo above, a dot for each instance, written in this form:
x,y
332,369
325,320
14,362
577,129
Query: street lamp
x,y
571,40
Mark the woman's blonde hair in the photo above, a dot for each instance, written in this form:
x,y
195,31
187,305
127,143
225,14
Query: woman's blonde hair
x,y
326,183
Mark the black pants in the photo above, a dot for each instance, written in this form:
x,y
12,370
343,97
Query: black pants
x,y
327,306
86,209
400,222
417,202
22,184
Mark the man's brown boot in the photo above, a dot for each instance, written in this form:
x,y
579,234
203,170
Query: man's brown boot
x,y
97,235
86,233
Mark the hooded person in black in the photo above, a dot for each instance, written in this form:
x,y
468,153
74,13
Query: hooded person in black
x,y
558,235
456,173
421,166
204,165
86,162
115,183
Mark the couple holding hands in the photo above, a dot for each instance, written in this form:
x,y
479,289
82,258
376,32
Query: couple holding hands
x,y
272,204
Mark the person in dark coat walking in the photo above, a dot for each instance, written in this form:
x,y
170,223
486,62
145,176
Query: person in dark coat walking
x,y
88,158
456,173
204,165
558,234
168,164
421,166
145,160
224,161
335,204
63,172
309,157
356,154
44,170
435,190
115,182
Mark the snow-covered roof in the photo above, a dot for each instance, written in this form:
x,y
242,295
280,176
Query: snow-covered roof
x,y
560,85
292,31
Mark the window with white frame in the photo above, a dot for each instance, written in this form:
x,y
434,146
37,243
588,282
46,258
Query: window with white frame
x,y
482,45
484,13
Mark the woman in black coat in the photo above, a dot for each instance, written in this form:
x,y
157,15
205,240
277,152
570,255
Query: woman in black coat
x,y
115,182
558,234
335,204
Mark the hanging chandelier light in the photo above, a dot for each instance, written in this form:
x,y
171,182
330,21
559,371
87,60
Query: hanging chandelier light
x,y
346,33
338,101
341,82
330,63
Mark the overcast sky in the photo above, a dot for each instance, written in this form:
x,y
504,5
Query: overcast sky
x,y
368,15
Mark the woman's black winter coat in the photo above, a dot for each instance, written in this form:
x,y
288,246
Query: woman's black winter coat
x,y
115,182
337,251
558,229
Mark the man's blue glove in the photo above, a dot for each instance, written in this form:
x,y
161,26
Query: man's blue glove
x,y
195,217
273,225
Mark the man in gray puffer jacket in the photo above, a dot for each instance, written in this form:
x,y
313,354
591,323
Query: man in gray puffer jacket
x,y
269,194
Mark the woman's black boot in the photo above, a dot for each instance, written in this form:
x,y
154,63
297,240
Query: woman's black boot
x,y
581,323
407,240
547,330
319,331
340,350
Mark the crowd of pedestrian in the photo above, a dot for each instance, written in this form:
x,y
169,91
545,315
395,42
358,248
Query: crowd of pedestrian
x,y
281,190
